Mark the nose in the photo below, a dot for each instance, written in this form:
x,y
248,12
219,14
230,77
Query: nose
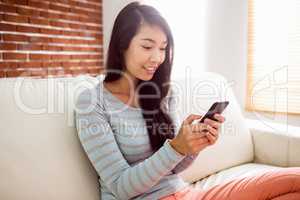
x,y
155,56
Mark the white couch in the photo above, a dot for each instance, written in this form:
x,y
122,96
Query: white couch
x,y
41,157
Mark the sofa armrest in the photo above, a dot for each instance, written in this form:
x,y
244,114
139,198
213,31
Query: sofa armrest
x,y
276,148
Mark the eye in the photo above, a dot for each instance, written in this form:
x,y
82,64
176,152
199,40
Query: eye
x,y
146,47
163,49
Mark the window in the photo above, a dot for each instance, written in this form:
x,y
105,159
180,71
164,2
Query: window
x,y
274,56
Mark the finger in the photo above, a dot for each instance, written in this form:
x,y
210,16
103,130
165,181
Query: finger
x,y
214,134
213,123
212,130
219,117
199,127
200,139
212,139
197,135
191,118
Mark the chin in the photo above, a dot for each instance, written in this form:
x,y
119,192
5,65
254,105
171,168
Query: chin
x,y
146,78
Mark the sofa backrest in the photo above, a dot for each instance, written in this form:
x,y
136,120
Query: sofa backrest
x,y
40,155
234,146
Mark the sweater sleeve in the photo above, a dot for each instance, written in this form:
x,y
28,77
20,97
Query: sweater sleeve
x,y
173,105
99,143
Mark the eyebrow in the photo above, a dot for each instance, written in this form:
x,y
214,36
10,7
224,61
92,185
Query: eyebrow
x,y
150,40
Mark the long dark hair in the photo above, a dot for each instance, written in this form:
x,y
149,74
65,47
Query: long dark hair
x,y
159,124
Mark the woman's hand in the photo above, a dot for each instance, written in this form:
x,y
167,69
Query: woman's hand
x,y
192,138
214,127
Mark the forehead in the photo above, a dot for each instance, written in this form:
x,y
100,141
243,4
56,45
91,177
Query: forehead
x,y
151,32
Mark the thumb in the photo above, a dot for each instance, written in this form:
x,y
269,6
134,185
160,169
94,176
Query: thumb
x,y
191,118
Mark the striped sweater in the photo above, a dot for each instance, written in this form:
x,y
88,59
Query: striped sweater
x,y
114,137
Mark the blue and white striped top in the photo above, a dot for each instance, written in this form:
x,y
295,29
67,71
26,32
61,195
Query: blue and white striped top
x,y
115,139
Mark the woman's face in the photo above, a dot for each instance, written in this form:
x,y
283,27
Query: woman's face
x,y
146,52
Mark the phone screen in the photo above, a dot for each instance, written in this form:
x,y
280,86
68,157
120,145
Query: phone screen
x,y
216,108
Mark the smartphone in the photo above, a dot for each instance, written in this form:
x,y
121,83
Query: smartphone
x,y
216,108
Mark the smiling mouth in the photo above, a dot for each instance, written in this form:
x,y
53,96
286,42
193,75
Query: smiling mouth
x,y
150,69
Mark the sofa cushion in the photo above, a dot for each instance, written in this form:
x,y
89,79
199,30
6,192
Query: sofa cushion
x,y
227,175
234,146
40,155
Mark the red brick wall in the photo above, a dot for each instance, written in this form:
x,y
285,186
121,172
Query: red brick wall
x,y
43,38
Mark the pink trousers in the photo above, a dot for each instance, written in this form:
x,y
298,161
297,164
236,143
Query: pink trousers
x,y
278,184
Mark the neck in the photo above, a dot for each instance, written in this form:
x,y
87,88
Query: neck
x,y
127,84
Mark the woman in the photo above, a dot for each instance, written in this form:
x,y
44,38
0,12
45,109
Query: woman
x,y
125,123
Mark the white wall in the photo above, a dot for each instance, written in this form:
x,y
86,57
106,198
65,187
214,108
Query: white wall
x,y
226,42
110,10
